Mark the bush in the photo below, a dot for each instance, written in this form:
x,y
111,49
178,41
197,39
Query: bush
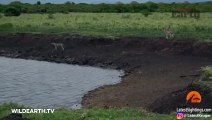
x,y
65,12
12,12
146,13
1,16
51,16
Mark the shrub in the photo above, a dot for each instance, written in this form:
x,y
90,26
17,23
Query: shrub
x,y
146,13
1,16
65,12
51,16
12,12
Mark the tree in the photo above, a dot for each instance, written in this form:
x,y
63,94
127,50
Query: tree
x,y
69,3
138,7
134,2
38,3
186,2
15,3
12,12
119,3
152,6
1,8
146,13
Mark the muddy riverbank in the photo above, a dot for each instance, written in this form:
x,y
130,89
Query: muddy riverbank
x,y
154,67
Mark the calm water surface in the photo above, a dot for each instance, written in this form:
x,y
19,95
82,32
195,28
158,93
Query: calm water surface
x,y
41,84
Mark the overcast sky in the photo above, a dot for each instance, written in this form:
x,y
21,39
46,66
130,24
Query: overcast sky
x,y
95,1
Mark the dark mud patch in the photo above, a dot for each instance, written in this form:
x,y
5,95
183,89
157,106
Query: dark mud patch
x,y
177,47
154,67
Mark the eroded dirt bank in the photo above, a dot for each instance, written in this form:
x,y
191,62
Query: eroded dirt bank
x,y
154,67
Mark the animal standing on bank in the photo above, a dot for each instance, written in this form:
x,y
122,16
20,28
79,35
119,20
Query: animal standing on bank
x,y
58,45
169,33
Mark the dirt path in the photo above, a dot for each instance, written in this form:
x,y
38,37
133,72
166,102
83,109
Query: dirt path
x,y
154,68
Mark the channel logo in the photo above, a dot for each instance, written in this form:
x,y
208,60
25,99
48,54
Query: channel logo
x,y
180,115
194,97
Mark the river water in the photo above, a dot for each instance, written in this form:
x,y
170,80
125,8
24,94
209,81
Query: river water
x,y
40,84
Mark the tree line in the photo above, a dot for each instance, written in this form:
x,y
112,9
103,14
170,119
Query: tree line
x,y
133,7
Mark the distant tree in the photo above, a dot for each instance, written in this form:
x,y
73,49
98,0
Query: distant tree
x,y
69,3
138,7
152,6
38,3
15,3
134,2
119,2
186,2
24,10
12,12
146,13
1,8
119,7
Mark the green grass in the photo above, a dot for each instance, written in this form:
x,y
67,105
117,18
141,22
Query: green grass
x,y
110,24
91,114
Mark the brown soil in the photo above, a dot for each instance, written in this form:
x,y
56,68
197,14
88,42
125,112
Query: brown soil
x,y
154,68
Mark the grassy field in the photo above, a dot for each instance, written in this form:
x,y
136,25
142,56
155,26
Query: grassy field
x,y
110,24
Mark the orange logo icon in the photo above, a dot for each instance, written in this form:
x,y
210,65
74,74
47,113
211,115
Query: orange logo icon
x,y
194,97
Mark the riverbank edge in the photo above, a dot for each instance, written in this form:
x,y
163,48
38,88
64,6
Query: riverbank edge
x,y
181,47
